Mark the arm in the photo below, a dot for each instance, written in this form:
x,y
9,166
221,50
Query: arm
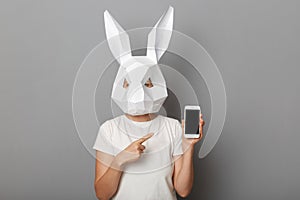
x,y
183,175
107,175
109,168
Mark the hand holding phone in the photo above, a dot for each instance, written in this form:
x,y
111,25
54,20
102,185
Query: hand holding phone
x,y
191,121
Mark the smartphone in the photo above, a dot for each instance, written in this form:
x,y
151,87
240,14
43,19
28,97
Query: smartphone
x,y
191,121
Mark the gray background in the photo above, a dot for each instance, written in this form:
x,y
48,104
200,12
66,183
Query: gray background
x,y
254,43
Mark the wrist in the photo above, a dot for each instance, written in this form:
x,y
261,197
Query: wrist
x,y
117,163
188,146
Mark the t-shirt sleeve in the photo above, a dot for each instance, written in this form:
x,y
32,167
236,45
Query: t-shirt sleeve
x,y
103,142
178,139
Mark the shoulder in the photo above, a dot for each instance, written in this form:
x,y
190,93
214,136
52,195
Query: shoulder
x,y
172,123
173,126
170,120
107,124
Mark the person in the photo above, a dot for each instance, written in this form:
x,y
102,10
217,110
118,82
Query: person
x,y
141,154
108,174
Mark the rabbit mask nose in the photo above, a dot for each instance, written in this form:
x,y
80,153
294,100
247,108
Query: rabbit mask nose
x,y
136,93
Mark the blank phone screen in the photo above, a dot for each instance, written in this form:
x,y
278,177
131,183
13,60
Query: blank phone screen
x,y
192,122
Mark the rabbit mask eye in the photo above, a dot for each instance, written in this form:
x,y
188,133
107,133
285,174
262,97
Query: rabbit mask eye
x,y
149,83
125,83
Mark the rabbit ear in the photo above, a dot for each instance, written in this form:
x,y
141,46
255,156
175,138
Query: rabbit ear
x,y
159,37
118,39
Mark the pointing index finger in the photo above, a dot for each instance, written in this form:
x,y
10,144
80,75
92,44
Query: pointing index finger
x,y
144,138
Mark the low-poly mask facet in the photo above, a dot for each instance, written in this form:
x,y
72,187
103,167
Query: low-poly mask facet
x,y
139,87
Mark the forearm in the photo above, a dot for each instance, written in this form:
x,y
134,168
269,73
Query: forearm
x,y
108,184
185,176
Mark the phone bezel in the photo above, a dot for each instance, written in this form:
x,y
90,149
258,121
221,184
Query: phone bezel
x,y
191,107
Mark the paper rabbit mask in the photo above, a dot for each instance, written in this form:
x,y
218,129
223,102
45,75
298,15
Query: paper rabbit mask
x,y
139,87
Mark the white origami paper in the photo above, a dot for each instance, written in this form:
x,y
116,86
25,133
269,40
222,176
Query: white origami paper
x,y
139,87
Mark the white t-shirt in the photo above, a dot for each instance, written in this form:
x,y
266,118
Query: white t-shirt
x,y
149,177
